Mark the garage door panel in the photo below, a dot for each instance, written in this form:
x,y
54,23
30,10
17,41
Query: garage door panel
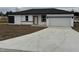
x,y
59,21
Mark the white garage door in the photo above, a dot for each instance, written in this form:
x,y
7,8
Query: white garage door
x,y
59,21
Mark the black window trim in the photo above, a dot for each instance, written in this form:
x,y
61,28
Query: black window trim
x,y
26,18
43,19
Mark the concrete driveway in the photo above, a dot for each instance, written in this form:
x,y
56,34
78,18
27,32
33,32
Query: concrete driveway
x,y
61,39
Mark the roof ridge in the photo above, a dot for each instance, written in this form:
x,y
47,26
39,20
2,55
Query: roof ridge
x,y
45,8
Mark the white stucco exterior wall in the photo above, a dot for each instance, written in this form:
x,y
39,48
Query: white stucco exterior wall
x,y
30,17
72,22
39,19
20,19
17,19
40,22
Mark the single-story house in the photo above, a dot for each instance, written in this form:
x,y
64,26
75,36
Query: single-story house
x,y
42,17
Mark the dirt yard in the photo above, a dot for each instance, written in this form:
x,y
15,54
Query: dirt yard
x,y
10,31
76,26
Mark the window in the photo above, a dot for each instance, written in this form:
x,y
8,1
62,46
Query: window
x,y
43,18
26,18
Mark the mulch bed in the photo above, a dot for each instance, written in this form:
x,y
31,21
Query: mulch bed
x,y
10,31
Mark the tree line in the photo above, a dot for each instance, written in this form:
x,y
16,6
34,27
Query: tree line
x,y
5,14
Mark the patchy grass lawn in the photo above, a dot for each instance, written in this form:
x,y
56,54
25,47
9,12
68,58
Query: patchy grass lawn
x,y
10,31
76,26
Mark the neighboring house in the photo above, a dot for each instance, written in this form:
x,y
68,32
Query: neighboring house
x,y
42,17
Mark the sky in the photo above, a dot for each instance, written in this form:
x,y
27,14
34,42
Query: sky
x,y
5,9
63,8
14,9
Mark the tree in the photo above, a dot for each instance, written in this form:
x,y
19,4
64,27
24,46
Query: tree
x,y
8,12
1,13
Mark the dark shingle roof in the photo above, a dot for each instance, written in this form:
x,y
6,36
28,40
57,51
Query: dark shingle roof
x,y
41,11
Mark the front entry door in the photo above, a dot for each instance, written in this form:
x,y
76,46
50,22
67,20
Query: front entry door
x,y
35,19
